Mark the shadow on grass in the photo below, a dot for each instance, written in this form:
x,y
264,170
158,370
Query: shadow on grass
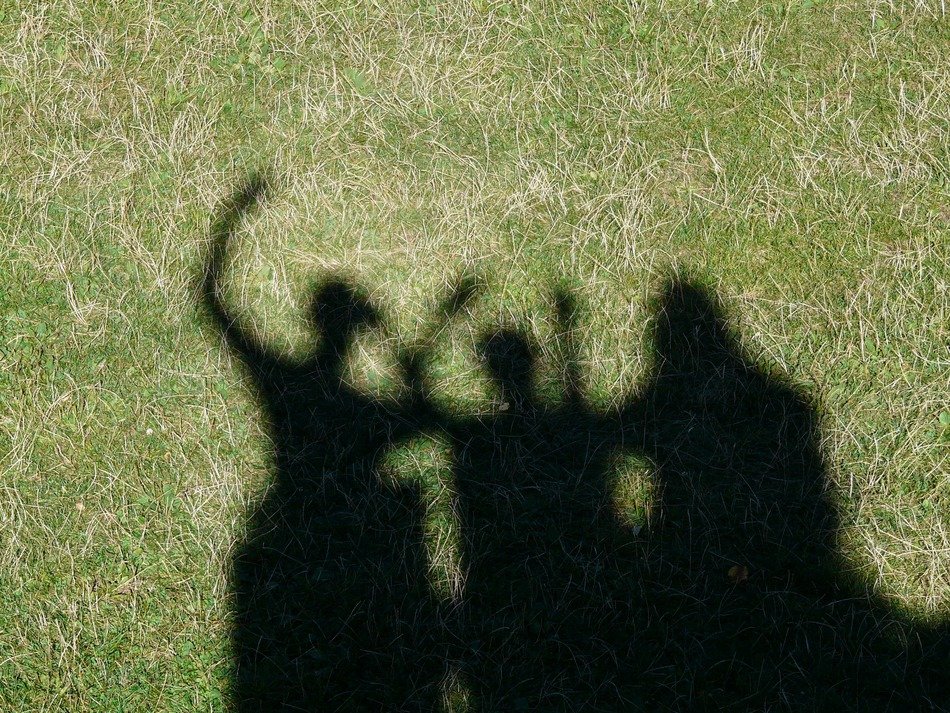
x,y
332,606
732,601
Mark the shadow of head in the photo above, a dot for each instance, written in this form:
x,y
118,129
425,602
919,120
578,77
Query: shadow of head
x,y
690,327
509,358
339,311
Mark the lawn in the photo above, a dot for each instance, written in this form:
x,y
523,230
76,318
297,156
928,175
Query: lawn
x,y
791,160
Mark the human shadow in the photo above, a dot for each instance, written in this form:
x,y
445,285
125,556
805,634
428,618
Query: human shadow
x,y
747,598
332,609
546,616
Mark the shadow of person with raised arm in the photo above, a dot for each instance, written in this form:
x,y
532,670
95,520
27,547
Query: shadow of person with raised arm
x,y
747,605
544,623
333,611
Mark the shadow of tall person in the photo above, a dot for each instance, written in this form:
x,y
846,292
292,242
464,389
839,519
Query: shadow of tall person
x,y
747,605
332,607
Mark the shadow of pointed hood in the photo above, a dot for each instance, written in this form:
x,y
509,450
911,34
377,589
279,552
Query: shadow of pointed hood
x,y
691,328
509,358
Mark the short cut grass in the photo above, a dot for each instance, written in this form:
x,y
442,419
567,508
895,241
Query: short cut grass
x,y
792,156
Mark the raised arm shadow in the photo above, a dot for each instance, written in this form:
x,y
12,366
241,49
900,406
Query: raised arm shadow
x,y
230,215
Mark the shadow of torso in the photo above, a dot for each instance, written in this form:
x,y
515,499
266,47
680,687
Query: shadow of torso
x,y
333,611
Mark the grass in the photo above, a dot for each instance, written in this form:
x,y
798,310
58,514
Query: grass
x,y
794,156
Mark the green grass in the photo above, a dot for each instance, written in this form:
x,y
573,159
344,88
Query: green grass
x,y
795,156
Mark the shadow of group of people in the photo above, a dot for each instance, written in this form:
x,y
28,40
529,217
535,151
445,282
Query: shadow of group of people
x,y
732,599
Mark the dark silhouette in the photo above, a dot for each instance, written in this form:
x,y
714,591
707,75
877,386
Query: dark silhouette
x,y
547,607
735,599
333,611
747,603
